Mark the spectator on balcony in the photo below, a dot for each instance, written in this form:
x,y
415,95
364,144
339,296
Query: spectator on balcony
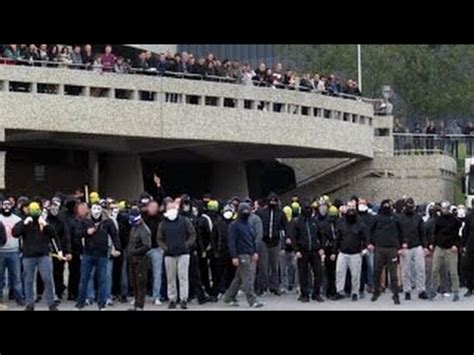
x,y
65,57
121,66
32,55
12,52
269,77
76,57
220,70
150,61
260,75
351,88
140,61
210,58
23,51
235,72
53,55
430,130
289,80
225,69
97,65
108,59
88,57
306,84
209,69
278,75
43,54
321,83
247,74
469,131
162,64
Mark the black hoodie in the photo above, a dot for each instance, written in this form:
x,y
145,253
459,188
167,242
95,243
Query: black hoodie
x,y
273,221
446,231
36,241
386,231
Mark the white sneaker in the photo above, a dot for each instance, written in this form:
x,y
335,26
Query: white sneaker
x,y
109,303
132,302
3,307
157,302
447,294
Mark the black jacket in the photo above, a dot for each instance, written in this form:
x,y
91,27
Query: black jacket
x,y
328,231
352,238
242,238
386,232
97,244
278,227
152,223
36,242
413,230
176,237
367,219
306,234
468,233
62,231
219,241
446,231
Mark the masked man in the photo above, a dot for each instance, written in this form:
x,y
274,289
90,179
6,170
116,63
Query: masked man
x,y
36,236
95,231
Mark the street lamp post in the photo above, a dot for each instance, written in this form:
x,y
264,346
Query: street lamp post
x,y
359,68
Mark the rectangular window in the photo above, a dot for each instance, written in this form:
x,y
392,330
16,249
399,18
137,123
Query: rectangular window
x,y
40,172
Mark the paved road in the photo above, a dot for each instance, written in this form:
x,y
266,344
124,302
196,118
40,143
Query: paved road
x,y
289,302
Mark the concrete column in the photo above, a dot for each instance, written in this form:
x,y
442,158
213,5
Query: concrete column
x,y
6,86
86,91
61,89
122,176
229,179
93,171
34,88
134,95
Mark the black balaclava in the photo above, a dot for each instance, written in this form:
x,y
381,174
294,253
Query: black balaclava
x,y
244,211
351,215
185,206
272,200
7,208
306,210
70,205
386,207
409,206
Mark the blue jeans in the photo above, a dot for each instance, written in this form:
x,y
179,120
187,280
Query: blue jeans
x,y
368,259
110,268
91,287
88,264
156,257
12,261
44,265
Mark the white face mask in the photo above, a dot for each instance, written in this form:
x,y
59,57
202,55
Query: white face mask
x,y
96,211
363,208
461,213
186,208
171,214
228,214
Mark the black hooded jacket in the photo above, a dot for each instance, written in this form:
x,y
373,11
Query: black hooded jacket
x,y
446,231
352,238
386,231
306,234
62,231
274,223
97,244
36,241
413,230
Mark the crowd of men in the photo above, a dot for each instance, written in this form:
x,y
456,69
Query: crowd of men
x,y
146,62
179,249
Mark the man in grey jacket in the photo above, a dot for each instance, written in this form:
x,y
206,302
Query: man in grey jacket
x,y
256,223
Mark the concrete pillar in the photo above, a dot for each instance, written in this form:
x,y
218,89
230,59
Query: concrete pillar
x,y
122,176
34,88
229,179
93,171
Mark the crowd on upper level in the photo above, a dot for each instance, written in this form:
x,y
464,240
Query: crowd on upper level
x,y
171,64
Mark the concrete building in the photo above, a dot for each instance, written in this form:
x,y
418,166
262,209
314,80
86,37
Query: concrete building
x,y
61,129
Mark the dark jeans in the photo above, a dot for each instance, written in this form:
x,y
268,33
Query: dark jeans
x,y
138,267
310,260
88,263
468,270
12,262
74,276
218,267
196,289
58,277
330,267
386,257
204,272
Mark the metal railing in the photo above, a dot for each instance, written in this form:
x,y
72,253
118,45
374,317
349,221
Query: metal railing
x,y
420,143
127,69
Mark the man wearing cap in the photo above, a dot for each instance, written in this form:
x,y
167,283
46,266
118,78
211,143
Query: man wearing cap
x,y
446,247
138,245
37,235
414,248
243,251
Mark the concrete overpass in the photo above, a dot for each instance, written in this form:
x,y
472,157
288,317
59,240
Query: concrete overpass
x,y
117,119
